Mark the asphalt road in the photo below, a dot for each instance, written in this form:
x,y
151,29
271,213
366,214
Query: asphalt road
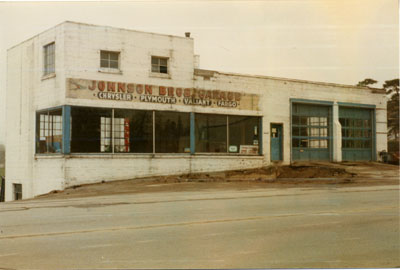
x,y
258,228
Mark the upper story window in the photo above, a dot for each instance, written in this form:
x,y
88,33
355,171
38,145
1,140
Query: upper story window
x,y
159,64
109,59
49,59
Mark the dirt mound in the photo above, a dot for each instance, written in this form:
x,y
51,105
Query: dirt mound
x,y
265,173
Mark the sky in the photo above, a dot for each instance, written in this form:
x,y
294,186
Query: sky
x,y
339,41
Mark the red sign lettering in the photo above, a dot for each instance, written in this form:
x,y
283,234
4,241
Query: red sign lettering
x,y
101,85
121,87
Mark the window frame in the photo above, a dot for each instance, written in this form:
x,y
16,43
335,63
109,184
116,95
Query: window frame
x,y
50,122
49,68
109,60
112,114
158,65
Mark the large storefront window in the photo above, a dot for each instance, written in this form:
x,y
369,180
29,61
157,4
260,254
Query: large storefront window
x,y
91,130
211,133
102,130
172,132
49,131
133,131
243,134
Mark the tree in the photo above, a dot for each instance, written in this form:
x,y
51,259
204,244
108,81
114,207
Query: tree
x,y
392,90
367,82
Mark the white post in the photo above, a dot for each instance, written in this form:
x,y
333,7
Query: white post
x,y
336,134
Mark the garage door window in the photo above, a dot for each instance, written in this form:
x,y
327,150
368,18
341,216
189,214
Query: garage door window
x,y
356,133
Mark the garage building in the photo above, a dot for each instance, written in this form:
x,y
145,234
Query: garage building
x,y
88,103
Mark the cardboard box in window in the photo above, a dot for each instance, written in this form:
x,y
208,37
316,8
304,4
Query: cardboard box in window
x,y
248,150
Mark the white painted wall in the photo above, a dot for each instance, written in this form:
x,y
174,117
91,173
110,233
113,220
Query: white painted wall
x,y
275,103
27,92
95,168
78,56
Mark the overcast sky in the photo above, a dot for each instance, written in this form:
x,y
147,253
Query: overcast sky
x,y
340,41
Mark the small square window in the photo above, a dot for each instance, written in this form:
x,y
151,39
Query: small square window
x,y
49,59
159,64
109,59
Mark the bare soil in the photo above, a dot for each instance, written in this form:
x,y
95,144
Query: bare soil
x,y
295,175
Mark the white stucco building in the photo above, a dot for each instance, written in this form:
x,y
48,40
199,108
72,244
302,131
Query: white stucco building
x,y
87,103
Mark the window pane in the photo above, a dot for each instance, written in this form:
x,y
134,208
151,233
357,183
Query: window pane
x,y
172,132
323,121
163,69
303,131
304,143
154,60
104,55
303,120
210,133
349,143
323,144
295,142
114,56
154,69
113,64
295,131
314,132
367,144
49,132
295,120
104,63
314,143
344,132
323,132
133,131
313,121
243,131
358,144
90,130
163,62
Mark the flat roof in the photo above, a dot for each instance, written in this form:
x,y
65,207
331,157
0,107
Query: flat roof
x,y
96,25
203,72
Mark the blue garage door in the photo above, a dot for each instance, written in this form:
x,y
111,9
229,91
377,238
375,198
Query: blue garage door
x,y
311,128
357,128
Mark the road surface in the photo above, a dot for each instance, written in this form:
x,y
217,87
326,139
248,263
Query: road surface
x,y
324,227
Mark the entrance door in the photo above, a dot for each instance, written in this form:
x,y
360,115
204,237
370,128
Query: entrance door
x,y
276,142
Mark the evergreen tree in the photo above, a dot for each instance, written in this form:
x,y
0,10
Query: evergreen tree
x,y
392,90
367,82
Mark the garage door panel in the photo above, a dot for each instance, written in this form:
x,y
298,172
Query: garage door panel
x,y
311,126
357,131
